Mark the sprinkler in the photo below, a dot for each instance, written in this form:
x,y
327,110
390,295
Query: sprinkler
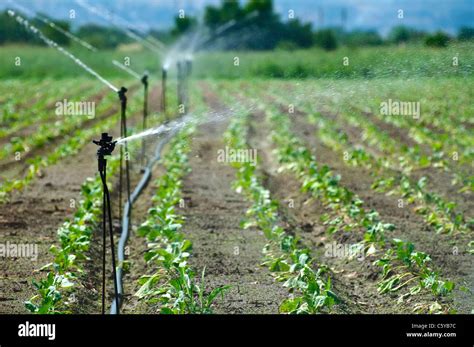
x,y
145,113
123,149
123,99
106,147
164,75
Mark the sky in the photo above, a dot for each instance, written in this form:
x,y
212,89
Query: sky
x,y
381,15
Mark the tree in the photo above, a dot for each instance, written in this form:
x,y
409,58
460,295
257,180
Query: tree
x,y
181,25
51,33
466,33
326,39
298,33
12,31
403,34
399,34
102,37
229,10
438,39
359,38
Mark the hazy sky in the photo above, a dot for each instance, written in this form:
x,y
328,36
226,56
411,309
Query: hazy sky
x,y
381,15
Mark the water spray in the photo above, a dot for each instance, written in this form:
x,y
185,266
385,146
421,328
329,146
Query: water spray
x,y
106,147
129,33
22,21
54,26
126,69
223,28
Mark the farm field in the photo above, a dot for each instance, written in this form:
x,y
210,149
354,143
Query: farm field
x,y
238,164
326,169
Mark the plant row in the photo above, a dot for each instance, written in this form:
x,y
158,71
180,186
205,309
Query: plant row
x,y
172,288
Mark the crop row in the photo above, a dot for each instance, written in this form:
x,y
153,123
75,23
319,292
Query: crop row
x,y
172,288
442,156
55,290
387,173
41,106
348,214
47,133
72,144
285,256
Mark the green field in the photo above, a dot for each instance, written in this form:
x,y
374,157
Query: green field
x,y
406,62
396,186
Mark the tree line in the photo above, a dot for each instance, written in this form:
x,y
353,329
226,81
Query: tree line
x,y
253,25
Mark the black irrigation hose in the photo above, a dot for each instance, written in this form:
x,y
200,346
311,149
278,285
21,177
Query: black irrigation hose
x,y
126,214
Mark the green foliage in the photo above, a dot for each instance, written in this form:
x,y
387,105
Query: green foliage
x,y
10,31
75,237
182,25
438,39
285,257
258,18
102,37
415,265
51,33
466,34
360,38
412,61
403,34
326,39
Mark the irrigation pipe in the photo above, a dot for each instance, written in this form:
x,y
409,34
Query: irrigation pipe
x,y
126,214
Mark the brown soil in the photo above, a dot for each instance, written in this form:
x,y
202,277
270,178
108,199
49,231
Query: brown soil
x,y
229,254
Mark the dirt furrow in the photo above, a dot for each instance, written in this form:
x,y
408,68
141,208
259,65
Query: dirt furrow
x,y
213,212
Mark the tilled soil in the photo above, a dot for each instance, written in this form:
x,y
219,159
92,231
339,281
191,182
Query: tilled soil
x,y
33,217
213,212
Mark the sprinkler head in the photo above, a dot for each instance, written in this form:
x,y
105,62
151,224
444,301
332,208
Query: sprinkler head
x,y
121,93
106,145
145,79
